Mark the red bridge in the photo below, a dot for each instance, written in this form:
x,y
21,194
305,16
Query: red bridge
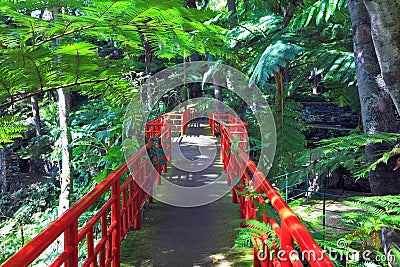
x,y
124,194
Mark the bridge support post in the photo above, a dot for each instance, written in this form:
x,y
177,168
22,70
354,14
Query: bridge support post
x,y
286,245
158,174
234,195
286,188
71,241
256,260
137,223
116,218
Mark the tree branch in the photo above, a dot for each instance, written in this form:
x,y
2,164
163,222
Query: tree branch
x,y
51,89
52,38
247,29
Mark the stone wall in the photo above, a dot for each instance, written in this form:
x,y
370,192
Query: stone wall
x,y
327,120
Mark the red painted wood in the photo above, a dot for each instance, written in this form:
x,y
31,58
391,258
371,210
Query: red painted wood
x,y
70,242
107,250
116,219
291,229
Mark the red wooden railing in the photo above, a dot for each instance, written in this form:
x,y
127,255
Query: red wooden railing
x,y
290,228
121,210
125,197
217,119
177,121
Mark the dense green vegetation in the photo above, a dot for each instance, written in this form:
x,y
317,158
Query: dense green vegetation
x,y
69,70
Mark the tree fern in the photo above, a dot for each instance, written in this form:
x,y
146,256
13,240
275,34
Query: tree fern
x,y
318,12
276,55
372,214
290,139
62,53
325,24
257,26
368,215
349,151
383,209
257,234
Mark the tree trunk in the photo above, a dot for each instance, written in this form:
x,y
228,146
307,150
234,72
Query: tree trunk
x,y
191,3
390,238
36,120
279,88
218,98
184,89
279,101
376,105
193,89
147,60
385,21
147,56
3,177
289,12
232,8
375,102
376,109
65,177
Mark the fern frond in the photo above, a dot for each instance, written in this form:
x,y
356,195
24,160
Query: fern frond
x,y
318,12
290,139
256,234
42,54
276,55
10,128
349,151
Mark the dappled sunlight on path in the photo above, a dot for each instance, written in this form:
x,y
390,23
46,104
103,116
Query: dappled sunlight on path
x,y
199,236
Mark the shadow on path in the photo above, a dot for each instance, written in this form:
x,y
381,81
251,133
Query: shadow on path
x,y
180,237
191,168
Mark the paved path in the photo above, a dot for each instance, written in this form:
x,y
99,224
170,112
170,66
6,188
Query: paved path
x,y
195,157
179,237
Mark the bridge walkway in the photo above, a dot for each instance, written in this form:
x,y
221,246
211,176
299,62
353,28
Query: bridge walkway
x,y
177,236
197,236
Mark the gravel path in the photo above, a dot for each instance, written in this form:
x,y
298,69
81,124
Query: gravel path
x,y
313,211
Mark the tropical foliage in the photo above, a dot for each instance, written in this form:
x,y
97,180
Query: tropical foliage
x,y
10,128
99,53
349,151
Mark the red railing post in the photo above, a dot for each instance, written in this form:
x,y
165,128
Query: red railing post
x,y
212,124
137,224
103,250
235,195
90,245
286,245
71,243
115,218
291,228
256,260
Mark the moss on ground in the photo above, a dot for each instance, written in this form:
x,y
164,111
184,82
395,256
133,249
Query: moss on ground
x,y
180,237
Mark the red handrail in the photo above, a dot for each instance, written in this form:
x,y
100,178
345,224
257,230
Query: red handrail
x,y
123,207
115,217
290,228
177,121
